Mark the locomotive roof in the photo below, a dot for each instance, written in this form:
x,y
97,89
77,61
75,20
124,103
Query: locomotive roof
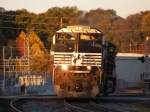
x,y
92,30
129,55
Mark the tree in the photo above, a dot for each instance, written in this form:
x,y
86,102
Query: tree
x,y
100,19
146,24
52,19
39,59
120,31
133,26
127,31
116,34
141,49
20,43
38,54
2,9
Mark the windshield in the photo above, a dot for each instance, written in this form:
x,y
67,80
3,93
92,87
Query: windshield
x,y
78,42
66,36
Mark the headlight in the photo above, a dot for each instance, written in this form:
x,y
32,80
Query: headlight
x,y
64,67
89,67
80,28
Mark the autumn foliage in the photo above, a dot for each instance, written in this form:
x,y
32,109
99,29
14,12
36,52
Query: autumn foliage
x,y
123,32
20,43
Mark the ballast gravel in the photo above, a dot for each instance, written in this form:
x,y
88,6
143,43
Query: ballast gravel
x,y
38,106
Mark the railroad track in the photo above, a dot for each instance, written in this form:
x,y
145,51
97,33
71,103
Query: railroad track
x,y
16,105
107,109
37,104
92,106
74,108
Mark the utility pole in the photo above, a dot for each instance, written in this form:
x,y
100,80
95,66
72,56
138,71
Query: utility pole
x,y
26,47
26,59
145,76
147,68
3,83
130,47
61,20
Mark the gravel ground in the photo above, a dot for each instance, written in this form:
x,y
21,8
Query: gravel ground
x,y
38,106
143,106
84,105
5,105
119,106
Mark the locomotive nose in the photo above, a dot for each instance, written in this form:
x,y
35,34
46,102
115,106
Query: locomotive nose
x,y
78,87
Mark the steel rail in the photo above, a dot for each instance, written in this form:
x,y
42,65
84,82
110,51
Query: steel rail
x,y
74,108
95,105
13,108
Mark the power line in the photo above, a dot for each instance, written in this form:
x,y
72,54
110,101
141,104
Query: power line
x,y
32,23
36,16
24,29
59,23
4,39
104,16
56,30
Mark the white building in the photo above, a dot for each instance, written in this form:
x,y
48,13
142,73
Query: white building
x,y
129,68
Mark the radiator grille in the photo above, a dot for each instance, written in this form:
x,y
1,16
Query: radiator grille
x,y
86,59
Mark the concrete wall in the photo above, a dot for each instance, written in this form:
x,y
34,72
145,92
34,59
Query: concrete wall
x,y
47,88
30,90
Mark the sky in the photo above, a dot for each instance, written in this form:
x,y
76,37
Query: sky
x,y
123,8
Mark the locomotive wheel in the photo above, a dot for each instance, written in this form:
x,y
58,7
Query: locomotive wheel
x,y
97,95
105,94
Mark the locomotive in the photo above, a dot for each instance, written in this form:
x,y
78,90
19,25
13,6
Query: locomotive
x,y
84,63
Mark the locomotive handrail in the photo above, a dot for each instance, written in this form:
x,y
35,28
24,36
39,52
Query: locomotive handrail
x,y
57,66
98,70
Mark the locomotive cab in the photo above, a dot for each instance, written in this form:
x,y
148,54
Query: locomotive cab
x,y
82,62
